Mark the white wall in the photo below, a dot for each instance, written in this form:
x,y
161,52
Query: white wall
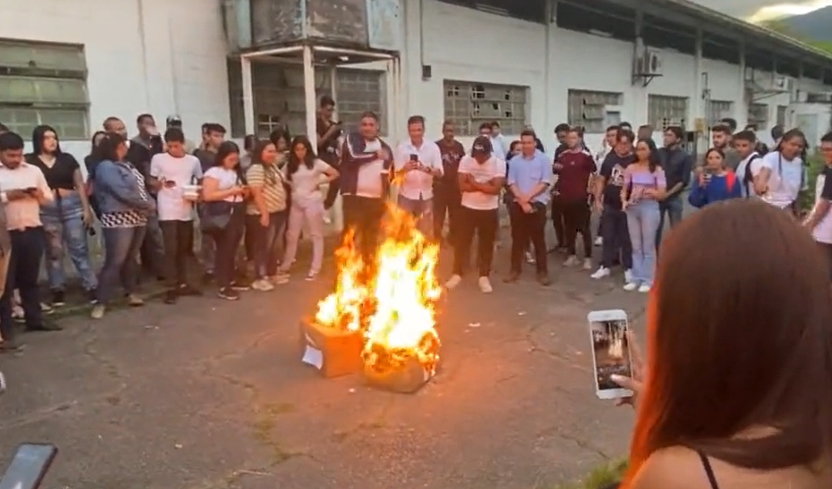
x,y
180,43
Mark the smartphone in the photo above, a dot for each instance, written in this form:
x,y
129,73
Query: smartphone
x,y
608,332
31,190
414,158
29,465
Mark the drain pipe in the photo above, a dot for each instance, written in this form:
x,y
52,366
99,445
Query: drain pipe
x,y
143,41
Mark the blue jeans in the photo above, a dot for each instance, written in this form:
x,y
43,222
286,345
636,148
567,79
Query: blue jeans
x,y
267,242
673,208
642,222
63,223
121,265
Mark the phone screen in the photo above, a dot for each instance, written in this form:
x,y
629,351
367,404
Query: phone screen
x,y
611,355
30,463
414,157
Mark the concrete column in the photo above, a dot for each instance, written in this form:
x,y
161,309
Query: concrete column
x,y
248,95
741,107
309,94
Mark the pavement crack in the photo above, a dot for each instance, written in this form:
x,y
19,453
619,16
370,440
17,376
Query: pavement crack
x,y
90,351
535,347
580,442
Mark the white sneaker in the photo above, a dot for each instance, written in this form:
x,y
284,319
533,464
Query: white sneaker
x,y
279,279
310,277
485,285
630,286
571,261
262,285
599,241
529,258
628,276
587,264
644,289
602,272
453,282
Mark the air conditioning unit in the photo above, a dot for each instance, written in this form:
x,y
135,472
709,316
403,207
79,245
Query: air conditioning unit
x,y
783,83
649,63
819,97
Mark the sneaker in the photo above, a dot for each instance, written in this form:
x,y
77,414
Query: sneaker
x,y
511,278
311,276
453,282
45,326
644,289
543,279
240,285
279,279
628,276
571,261
599,241
602,272
134,301
46,308
630,286
587,264
485,285
529,258
97,311
17,314
228,294
58,298
262,285
92,296
188,290
171,297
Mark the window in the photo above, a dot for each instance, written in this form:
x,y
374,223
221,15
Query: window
x,y
758,116
44,83
469,104
591,109
664,111
279,96
718,110
781,114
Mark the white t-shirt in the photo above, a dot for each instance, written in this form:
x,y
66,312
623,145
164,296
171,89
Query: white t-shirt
x,y
183,171
783,189
305,182
226,179
417,184
823,231
370,174
491,168
756,162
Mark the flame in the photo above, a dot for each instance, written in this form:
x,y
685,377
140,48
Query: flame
x,y
395,307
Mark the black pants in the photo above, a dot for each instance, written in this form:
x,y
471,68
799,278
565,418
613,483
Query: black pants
x,y
526,228
616,239
152,253
826,249
483,223
227,240
446,201
557,222
362,216
576,216
23,273
178,237
332,193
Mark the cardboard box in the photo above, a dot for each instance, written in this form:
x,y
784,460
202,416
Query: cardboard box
x,y
332,352
406,378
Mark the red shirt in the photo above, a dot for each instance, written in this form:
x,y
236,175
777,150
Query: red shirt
x,y
573,175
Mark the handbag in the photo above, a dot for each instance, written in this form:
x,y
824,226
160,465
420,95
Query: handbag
x,y
217,214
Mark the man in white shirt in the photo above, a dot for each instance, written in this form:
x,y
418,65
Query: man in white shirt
x,y
172,173
23,189
366,161
497,142
819,222
745,144
481,178
417,163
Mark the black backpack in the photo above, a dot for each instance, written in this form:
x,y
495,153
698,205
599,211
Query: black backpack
x,y
748,177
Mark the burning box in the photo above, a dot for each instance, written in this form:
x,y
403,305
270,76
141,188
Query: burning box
x,y
401,370
332,351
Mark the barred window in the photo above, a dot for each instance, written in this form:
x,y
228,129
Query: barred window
x,y
758,116
718,110
591,110
664,111
469,104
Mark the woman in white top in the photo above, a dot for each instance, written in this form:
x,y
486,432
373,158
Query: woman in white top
x,y
306,174
224,194
782,177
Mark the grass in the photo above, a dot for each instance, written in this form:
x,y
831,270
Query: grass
x,y
600,476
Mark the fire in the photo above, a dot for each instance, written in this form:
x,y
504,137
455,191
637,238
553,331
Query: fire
x,y
395,307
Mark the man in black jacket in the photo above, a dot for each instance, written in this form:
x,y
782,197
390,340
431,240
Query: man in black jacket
x,y
677,165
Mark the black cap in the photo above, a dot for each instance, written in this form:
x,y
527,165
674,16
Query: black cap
x,y
482,146
173,121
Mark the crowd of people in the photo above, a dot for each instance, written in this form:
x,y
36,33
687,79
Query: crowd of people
x,y
162,203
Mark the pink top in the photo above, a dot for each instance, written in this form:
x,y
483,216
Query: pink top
x,y
638,178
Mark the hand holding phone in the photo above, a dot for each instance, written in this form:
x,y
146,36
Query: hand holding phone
x,y
609,333
169,183
29,465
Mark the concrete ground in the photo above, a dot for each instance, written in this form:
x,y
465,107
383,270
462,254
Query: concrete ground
x,y
209,394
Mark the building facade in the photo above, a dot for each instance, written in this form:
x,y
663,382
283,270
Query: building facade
x,y
542,64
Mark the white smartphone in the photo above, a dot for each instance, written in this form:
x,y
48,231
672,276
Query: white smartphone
x,y
610,351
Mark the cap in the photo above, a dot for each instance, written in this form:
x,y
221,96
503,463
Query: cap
x,y
482,146
173,120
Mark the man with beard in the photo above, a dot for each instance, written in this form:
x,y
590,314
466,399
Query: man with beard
x,y
721,139
677,165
